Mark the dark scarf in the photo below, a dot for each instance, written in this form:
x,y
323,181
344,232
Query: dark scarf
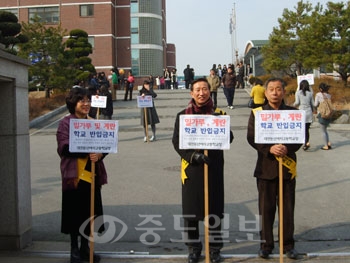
x,y
207,108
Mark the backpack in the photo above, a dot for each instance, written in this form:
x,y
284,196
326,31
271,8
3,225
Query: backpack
x,y
325,108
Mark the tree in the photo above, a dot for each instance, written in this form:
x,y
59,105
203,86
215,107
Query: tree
x,y
337,33
10,31
46,53
287,48
311,38
80,49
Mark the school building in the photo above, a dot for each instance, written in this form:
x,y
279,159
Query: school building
x,y
127,34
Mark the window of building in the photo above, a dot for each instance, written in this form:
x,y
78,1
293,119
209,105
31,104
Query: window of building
x,y
12,10
135,30
134,7
48,15
135,62
135,39
91,40
86,10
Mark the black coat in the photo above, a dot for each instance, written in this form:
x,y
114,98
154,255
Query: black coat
x,y
193,186
152,115
108,111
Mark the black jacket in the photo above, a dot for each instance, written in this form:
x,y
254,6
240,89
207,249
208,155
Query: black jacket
x,y
193,186
267,166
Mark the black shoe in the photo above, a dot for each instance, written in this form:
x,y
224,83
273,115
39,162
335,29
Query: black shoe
x,y
75,255
85,256
215,256
264,253
194,257
292,254
306,146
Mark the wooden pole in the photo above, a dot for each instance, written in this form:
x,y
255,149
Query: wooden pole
x,y
92,212
206,210
92,205
280,162
146,123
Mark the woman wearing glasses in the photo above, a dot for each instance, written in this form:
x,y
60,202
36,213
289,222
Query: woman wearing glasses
x,y
75,188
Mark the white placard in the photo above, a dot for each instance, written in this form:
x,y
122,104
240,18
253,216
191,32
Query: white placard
x,y
145,101
99,101
206,132
93,136
280,126
308,77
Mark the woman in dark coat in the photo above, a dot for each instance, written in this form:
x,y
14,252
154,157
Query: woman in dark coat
x,y
192,173
152,116
108,111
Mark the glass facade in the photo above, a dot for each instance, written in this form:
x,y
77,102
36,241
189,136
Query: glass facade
x,y
151,62
146,37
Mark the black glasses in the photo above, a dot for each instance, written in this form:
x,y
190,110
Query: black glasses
x,y
84,101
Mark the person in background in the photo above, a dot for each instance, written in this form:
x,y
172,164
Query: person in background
x,y
224,70
108,111
193,183
248,74
114,87
174,79
167,78
158,82
151,81
258,92
129,86
162,82
219,72
240,76
305,101
324,123
93,82
76,188
267,176
214,82
188,76
93,110
121,79
76,84
152,116
229,81
102,79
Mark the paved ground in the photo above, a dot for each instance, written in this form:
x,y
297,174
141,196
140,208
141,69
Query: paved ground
x,y
144,180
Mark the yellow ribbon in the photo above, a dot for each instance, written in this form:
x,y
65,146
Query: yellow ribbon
x,y
184,165
82,173
290,164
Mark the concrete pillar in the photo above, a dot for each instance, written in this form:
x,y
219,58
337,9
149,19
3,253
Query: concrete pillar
x,y
15,187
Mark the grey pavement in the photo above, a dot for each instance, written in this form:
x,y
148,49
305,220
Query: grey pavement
x,y
144,181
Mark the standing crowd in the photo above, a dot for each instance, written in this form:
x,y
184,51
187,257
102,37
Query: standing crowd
x,y
203,100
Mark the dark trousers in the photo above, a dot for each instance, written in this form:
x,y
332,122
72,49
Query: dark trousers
x,y
187,84
192,235
240,82
230,95
128,90
268,200
307,132
214,96
168,84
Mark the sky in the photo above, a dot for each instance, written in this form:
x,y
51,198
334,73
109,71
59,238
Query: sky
x,y
200,28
